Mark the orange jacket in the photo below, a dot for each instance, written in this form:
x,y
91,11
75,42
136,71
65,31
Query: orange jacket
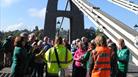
x,y
101,59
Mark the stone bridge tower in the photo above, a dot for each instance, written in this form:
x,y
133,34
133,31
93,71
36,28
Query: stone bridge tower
x,y
75,15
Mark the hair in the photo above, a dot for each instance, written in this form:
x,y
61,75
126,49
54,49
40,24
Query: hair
x,y
24,34
40,42
92,43
100,40
121,41
58,40
80,44
45,38
18,41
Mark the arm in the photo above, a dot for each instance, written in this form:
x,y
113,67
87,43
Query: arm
x,y
91,64
86,56
76,56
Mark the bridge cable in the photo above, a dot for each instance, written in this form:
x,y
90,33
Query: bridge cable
x,y
63,17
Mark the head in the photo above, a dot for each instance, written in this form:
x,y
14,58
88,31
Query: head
x,y
52,42
77,41
65,41
91,44
80,45
121,43
58,40
74,42
19,41
46,39
40,43
24,35
100,40
32,37
84,39
109,41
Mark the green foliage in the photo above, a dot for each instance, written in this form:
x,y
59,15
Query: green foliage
x,y
4,35
98,32
90,33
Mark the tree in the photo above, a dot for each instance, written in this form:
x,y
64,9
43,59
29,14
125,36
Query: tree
x,y
36,28
90,33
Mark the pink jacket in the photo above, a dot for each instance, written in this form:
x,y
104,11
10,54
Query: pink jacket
x,y
78,55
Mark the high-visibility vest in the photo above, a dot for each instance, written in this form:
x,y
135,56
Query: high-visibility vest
x,y
64,55
101,62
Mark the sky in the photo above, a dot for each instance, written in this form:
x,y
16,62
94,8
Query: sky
x,y
26,14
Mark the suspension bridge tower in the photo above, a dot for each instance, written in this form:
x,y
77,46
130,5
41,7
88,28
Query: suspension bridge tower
x,y
75,15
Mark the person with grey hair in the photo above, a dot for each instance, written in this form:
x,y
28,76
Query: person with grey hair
x,y
79,69
46,44
38,61
85,43
24,35
122,58
32,38
29,39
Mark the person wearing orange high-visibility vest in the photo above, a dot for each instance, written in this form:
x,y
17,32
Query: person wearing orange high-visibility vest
x,y
100,58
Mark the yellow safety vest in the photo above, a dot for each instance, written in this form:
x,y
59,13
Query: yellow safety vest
x,y
65,58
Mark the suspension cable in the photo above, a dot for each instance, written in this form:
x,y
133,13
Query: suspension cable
x,y
63,17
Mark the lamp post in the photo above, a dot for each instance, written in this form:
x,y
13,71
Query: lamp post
x,y
135,27
58,28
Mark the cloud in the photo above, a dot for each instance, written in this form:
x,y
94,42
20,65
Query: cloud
x,y
39,13
17,26
7,3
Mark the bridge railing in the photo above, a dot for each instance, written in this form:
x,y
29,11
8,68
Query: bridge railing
x,y
126,4
112,27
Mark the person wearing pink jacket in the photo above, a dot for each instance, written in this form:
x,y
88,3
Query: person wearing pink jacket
x,y
79,69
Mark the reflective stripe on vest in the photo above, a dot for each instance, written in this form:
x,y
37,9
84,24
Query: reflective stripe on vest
x,y
102,69
62,62
102,62
104,55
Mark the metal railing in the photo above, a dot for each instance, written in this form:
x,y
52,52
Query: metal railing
x,y
126,4
112,27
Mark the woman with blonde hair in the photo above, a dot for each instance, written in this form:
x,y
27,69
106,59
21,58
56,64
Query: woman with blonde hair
x,y
100,58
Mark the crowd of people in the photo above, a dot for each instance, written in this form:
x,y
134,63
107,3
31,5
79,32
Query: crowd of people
x,y
31,57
